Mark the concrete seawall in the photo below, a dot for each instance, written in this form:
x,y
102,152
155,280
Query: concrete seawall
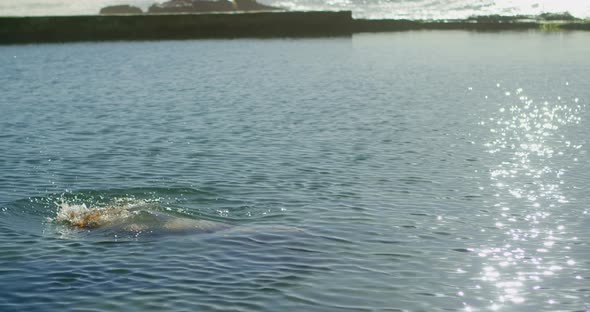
x,y
173,26
231,25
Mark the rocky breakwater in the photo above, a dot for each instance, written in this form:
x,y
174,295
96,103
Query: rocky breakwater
x,y
544,22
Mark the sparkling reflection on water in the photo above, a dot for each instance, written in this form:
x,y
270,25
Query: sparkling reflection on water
x,y
529,142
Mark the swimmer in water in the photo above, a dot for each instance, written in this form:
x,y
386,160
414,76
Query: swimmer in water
x,y
140,219
132,218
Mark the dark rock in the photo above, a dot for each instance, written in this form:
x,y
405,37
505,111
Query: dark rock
x,y
189,6
121,9
203,6
252,5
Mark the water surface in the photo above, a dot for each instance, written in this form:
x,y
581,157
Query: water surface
x,y
419,171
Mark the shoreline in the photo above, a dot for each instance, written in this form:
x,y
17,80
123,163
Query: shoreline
x,y
45,29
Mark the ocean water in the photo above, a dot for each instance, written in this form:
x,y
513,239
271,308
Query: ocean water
x,y
410,171
372,9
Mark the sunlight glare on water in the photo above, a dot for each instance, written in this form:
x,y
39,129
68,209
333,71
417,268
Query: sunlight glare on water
x,y
534,250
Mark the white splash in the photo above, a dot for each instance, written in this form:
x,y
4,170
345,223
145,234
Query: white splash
x,y
82,216
125,218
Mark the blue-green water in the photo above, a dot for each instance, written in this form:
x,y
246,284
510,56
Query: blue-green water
x,y
420,171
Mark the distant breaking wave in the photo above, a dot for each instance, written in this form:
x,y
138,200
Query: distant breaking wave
x,y
372,9
436,9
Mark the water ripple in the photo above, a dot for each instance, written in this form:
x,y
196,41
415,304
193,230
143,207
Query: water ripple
x,y
530,246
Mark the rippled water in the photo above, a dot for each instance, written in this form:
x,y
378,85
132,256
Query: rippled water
x,y
419,171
